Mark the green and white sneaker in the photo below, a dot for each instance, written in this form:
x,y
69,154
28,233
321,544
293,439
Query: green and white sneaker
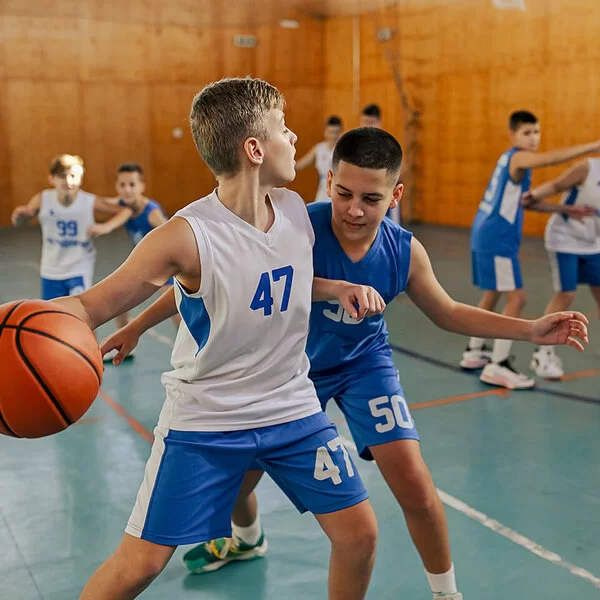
x,y
457,596
215,554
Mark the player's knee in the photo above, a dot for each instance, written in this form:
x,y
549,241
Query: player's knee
x,y
141,568
565,298
418,492
360,539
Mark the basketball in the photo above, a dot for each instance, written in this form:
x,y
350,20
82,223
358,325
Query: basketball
x,y
51,368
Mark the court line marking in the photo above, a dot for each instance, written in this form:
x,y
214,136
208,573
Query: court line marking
x,y
451,399
131,421
504,531
456,369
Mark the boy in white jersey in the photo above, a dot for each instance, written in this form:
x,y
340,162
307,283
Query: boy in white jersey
x,y
573,245
495,239
351,361
320,154
239,394
65,213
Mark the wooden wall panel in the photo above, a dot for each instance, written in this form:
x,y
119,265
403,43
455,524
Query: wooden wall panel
x,y
115,125
466,65
42,49
44,119
179,175
111,80
5,171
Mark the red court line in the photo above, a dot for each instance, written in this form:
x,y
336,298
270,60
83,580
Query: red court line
x,y
131,421
503,393
580,374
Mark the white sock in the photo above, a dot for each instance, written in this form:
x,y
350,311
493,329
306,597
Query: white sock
x,y
250,535
476,343
501,350
443,583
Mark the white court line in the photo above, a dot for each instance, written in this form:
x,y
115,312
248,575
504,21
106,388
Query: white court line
x,y
506,532
474,514
161,338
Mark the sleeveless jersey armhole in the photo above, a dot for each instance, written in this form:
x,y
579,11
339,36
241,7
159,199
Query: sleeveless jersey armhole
x,y
405,247
205,255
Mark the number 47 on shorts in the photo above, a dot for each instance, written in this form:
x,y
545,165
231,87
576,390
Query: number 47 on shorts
x,y
325,468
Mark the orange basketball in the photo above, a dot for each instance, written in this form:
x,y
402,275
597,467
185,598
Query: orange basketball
x,y
50,368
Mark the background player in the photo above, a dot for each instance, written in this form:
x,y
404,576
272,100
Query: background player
x,y
572,240
496,237
321,153
66,213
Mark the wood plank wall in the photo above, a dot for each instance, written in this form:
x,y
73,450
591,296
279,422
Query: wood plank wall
x,y
467,65
110,80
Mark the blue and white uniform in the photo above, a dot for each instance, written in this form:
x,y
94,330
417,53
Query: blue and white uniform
x,y
498,228
138,227
239,395
351,361
68,253
574,246
323,156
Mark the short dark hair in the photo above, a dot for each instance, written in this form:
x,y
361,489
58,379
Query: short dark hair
x,y
333,121
131,168
369,148
521,117
372,110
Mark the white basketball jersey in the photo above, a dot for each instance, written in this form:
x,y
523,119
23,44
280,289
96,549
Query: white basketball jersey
x,y
323,156
67,250
239,358
564,234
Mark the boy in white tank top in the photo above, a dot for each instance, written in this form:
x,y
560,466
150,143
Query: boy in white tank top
x,y
66,214
238,396
321,153
573,243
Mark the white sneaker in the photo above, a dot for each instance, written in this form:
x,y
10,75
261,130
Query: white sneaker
x,y
545,363
505,375
457,596
475,359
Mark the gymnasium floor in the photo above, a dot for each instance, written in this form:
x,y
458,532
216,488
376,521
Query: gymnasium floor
x,y
519,472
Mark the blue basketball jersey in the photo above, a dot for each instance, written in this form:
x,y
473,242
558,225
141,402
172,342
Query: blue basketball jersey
x,y
335,339
498,225
138,227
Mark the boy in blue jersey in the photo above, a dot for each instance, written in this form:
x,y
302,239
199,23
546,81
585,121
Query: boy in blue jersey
x,y
139,214
351,360
495,239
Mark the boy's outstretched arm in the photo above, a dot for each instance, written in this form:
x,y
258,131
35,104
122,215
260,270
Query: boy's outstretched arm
x,y
426,292
126,339
167,251
124,214
574,176
24,213
525,159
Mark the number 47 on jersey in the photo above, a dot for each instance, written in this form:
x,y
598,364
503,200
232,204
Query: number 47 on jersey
x,y
263,297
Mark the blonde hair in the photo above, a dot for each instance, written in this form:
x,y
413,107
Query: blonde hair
x,y
226,113
63,162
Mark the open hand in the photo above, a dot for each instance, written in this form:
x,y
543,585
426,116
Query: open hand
x,y
123,341
568,328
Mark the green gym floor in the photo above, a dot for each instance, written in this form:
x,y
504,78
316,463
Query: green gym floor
x,y
519,472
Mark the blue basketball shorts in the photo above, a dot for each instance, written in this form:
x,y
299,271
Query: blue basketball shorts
x,y
56,288
496,273
192,478
569,270
373,403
